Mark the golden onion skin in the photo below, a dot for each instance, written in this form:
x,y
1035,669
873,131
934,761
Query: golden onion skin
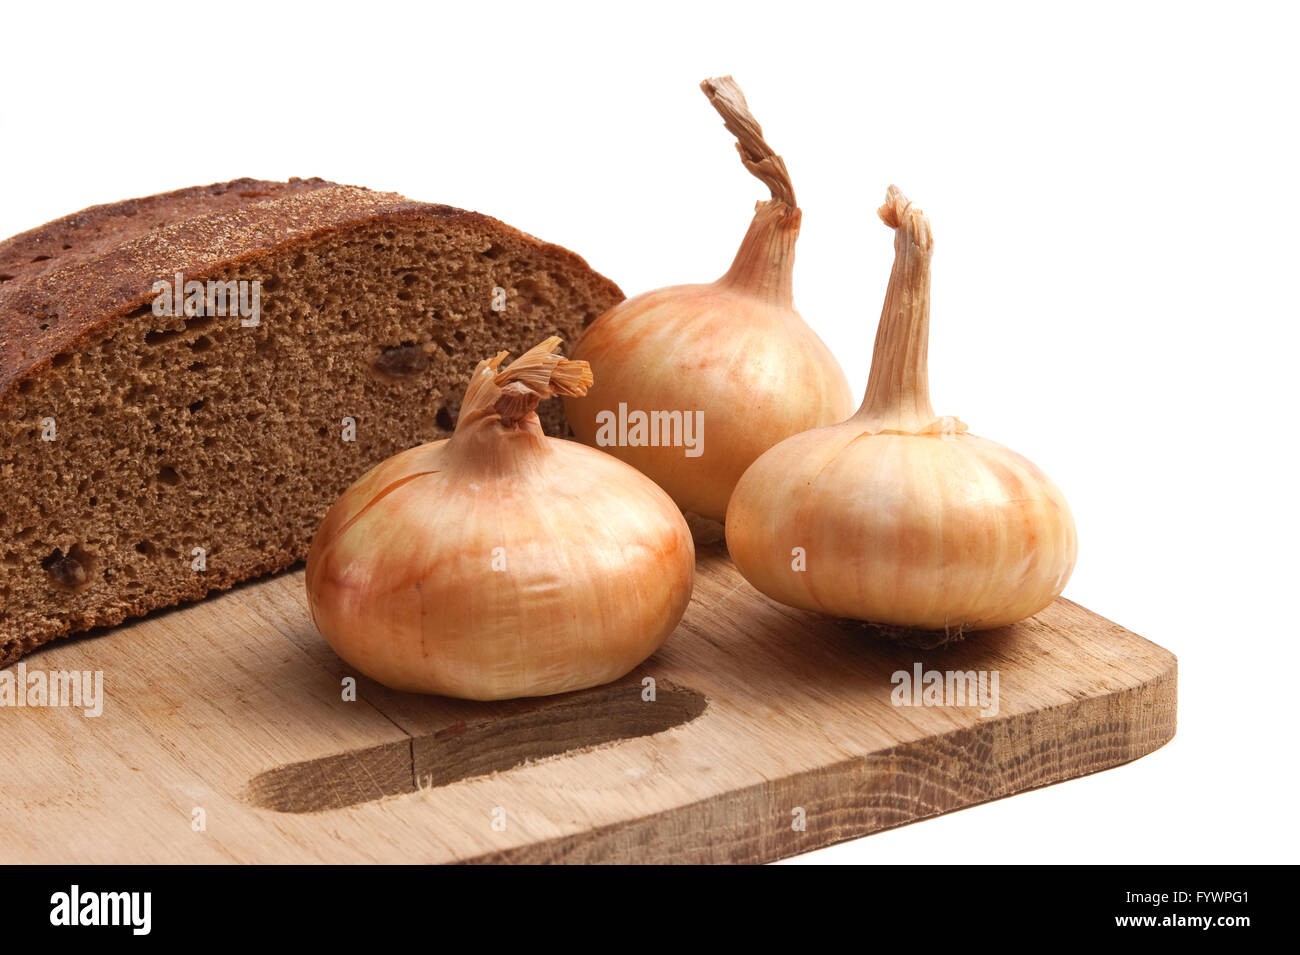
x,y
757,376
402,586
946,532
501,563
899,516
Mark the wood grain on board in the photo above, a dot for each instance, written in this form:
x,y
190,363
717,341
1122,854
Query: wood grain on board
x,y
762,716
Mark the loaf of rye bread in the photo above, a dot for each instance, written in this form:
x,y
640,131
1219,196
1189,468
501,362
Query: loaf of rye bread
x,y
147,459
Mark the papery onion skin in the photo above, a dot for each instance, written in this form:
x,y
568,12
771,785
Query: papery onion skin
x,y
898,516
951,533
737,359
594,567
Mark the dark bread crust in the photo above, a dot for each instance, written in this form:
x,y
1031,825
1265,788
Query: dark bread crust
x,y
77,236
86,293
84,235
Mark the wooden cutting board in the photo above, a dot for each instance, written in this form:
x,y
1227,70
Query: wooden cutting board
x,y
772,732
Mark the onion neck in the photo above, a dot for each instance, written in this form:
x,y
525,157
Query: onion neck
x,y
764,265
498,418
898,389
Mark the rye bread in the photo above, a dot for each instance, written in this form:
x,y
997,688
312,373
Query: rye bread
x,y
148,460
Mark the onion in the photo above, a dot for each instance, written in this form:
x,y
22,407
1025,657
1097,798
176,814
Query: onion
x,y
898,516
500,562
696,381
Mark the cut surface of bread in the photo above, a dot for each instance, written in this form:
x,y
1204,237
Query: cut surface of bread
x,y
147,459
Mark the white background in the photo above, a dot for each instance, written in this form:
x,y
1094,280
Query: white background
x,y
1114,192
